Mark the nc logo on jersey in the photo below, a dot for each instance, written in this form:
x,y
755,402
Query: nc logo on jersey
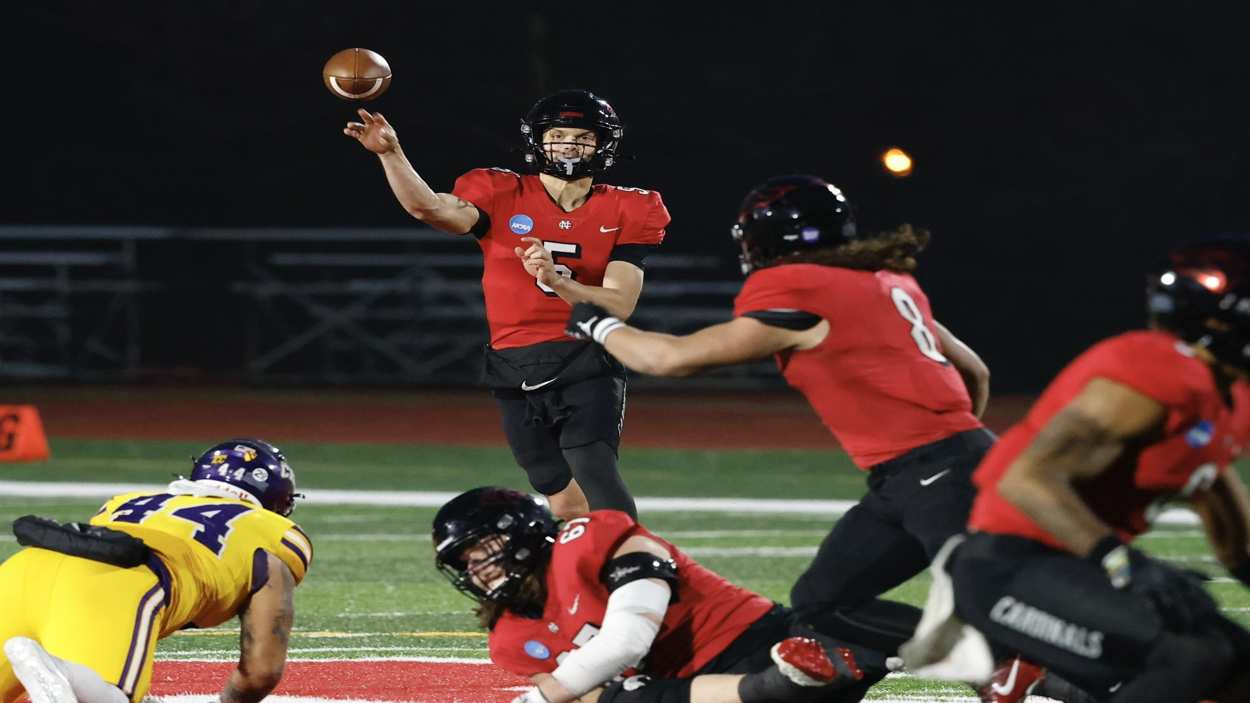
x,y
1200,435
537,650
521,224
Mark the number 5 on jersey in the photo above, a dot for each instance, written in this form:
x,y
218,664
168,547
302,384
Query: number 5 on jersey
x,y
560,250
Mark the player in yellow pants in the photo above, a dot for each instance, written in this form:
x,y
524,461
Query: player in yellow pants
x,y
100,616
78,624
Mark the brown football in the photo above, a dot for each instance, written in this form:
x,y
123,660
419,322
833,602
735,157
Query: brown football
x,y
357,74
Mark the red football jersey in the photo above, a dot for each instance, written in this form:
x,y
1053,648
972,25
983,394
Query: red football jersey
x,y
1200,437
520,311
878,380
709,612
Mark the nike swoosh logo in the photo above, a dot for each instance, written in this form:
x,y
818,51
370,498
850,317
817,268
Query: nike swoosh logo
x,y
934,477
1010,684
527,387
605,230
573,608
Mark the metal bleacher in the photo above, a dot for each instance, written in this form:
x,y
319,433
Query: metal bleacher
x,y
68,302
316,306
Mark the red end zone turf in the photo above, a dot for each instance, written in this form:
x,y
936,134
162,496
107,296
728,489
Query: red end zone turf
x,y
373,680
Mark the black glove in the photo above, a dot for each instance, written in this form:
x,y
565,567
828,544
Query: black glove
x,y
1177,595
589,321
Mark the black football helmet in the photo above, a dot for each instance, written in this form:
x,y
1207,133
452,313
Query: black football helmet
x,y
525,527
572,108
1201,293
788,214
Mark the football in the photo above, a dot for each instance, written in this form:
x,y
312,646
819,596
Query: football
x,y
357,74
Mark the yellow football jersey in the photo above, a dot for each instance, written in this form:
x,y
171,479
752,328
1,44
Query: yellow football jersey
x,y
212,548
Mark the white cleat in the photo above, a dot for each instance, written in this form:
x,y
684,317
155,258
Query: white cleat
x,y
34,667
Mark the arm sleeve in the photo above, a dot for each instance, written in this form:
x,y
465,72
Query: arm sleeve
x,y
635,254
630,625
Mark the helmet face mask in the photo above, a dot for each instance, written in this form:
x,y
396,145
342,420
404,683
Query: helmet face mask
x,y
578,109
253,466
790,214
1202,295
489,540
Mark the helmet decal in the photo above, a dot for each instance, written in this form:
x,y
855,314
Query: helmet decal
x,y
254,466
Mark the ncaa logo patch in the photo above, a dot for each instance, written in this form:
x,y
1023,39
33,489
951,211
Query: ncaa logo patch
x,y
537,649
1200,435
521,224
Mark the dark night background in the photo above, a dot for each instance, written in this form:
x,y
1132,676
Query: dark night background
x,y
1060,149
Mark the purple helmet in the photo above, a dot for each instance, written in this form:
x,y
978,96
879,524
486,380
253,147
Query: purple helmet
x,y
254,466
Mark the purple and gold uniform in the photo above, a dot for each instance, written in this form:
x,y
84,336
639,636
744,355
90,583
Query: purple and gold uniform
x,y
209,555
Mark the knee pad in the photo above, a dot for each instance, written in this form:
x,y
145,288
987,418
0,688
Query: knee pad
x,y
547,474
644,689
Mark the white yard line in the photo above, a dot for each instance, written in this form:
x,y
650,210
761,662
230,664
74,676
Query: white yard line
x,y
434,499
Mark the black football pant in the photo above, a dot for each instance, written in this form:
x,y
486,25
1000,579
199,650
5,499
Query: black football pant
x,y
558,434
1060,611
914,503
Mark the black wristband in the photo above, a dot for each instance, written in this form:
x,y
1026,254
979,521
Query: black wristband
x,y
1241,572
1105,546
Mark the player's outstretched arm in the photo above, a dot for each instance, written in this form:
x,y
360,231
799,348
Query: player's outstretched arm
x,y
741,339
974,371
442,211
1079,443
265,629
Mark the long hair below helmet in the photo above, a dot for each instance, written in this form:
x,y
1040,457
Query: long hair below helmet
x,y
1201,293
580,109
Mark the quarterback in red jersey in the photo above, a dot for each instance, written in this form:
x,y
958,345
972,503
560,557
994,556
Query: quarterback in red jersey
x,y
852,330
548,240
1136,421
575,606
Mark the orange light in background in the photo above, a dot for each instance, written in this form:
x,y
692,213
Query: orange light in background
x,y
897,162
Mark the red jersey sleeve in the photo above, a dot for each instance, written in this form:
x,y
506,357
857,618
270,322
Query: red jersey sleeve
x,y
1147,362
773,289
586,544
645,220
480,186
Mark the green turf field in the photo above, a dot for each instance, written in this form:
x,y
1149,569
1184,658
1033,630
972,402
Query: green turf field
x,y
372,590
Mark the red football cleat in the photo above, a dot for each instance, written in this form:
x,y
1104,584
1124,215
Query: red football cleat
x,y
805,661
1011,681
